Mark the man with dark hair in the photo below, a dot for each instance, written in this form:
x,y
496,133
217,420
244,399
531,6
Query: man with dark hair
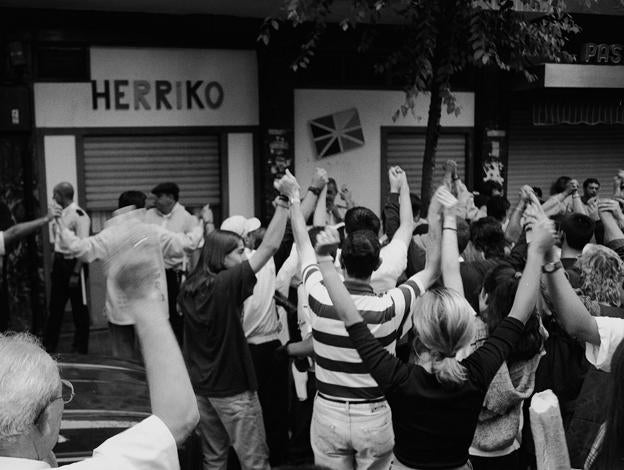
x,y
393,255
169,214
68,276
591,187
577,231
360,254
125,227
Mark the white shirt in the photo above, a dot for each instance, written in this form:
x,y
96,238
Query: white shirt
x,y
148,445
74,219
125,228
611,331
393,263
177,221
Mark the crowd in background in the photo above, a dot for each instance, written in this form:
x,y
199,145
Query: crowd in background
x,y
412,339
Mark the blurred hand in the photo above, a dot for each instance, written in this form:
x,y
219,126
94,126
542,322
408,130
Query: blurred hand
x,y
345,193
327,241
572,187
450,167
206,214
288,185
610,206
54,211
394,177
320,178
543,234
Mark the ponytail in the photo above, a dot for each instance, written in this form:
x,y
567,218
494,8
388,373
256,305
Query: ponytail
x,y
448,370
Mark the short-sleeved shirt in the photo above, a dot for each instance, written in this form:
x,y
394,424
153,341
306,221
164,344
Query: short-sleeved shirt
x,y
74,219
340,372
393,263
148,445
611,331
215,347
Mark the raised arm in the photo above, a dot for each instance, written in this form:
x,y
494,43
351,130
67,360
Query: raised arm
x,y
450,251
320,211
432,246
289,190
171,395
543,239
609,211
300,234
571,313
514,227
311,198
406,217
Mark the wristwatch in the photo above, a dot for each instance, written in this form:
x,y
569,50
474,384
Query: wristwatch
x,y
550,268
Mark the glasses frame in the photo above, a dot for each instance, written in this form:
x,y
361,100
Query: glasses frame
x,y
72,394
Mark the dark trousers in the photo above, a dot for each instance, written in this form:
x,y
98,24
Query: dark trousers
x,y
506,462
61,291
173,289
272,375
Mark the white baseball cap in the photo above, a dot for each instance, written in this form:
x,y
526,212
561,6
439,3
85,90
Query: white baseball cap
x,y
240,225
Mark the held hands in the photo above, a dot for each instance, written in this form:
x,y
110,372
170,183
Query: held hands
x,y
327,242
543,234
345,194
54,211
288,185
572,187
320,178
397,178
447,201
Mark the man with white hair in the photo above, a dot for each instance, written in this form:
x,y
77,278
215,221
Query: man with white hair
x,y
33,394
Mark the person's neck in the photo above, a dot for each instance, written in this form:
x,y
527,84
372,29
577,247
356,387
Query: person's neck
x,y
66,204
568,252
349,278
21,448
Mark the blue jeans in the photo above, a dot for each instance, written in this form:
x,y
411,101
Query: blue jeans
x,y
235,421
347,436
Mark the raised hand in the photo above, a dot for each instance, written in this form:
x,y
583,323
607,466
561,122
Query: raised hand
x,y
54,211
288,185
345,194
394,179
543,235
320,178
327,241
572,187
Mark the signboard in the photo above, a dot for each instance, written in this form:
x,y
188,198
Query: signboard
x,y
594,53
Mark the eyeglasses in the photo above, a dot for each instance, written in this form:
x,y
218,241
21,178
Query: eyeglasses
x,y
67,395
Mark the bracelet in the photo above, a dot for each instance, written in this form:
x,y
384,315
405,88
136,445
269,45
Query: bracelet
x,y
314,190
284,198
285,206
449,228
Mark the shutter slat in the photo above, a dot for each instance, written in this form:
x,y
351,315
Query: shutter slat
x,y
113,165
406,150
538,155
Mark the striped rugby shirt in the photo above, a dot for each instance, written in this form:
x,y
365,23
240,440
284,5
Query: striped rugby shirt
x,y
340,372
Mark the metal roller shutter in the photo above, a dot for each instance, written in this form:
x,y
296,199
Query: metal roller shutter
x,y
120,163
538,155
407,149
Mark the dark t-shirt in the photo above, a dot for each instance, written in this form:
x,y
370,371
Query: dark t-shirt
x,y
433,424
215,348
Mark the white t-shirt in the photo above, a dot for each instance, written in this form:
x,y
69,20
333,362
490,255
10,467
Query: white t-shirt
x,y
393,263
148,445
611,332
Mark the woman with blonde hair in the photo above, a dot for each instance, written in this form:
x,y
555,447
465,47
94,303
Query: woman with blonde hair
x,y
436,402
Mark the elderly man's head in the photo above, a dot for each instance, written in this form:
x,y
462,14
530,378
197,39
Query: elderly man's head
x,y
31,398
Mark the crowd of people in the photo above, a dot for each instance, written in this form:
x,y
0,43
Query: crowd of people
x,y
413,339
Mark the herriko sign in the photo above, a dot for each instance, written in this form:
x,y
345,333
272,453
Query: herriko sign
x,y
593,53
157,94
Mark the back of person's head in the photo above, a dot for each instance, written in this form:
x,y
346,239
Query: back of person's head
x,y
463,234
360,253
602,273
29,382
416,205
487,236
578,230
559,185
361,218
445,324
497,207
491,188
256,236
132,198
500,285
217,245
610,455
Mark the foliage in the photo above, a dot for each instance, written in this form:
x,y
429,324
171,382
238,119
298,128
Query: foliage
x,y
439,38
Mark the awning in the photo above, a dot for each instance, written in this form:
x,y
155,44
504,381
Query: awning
x,y
582,76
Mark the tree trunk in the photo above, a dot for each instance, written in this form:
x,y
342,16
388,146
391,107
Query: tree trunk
x,y
431,145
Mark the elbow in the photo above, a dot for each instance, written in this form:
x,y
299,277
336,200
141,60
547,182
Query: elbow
x,y
186,424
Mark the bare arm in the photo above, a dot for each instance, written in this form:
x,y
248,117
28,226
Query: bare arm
x,y
19,231
310,200
608,210
320,211
406,217
275,232
171,394
450,251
